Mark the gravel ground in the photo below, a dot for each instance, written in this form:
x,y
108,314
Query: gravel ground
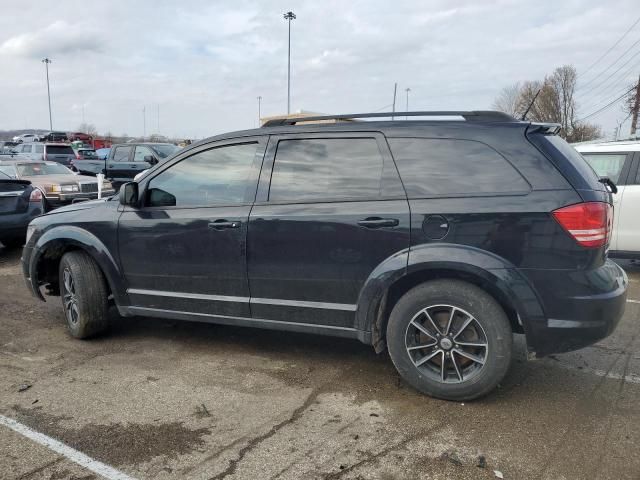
x,y
163,400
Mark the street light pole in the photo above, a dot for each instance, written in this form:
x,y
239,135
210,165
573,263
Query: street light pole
x,y
407,109
259,108
289,16
46,62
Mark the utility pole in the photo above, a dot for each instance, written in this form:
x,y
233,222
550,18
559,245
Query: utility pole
x,y
46,62
634,112
393,109
259,108
407,109
289,16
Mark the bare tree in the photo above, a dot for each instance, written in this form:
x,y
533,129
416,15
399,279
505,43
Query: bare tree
x,y
554,102
88,128
507,100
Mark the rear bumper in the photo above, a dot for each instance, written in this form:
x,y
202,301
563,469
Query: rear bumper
x,y
581,307
15,224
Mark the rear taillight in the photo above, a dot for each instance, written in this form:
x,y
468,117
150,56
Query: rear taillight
x,y
588,223
36,196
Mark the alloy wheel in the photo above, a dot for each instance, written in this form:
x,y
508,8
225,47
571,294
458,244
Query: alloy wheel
x,y
446,343
69,297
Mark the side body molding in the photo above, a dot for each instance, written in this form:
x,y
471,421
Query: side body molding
x,y
436,260
60,237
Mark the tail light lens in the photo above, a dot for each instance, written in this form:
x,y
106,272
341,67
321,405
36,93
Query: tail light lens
x,y
588,223
36,196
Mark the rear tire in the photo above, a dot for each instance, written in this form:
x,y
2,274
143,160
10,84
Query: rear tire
x,y
84,295
463,353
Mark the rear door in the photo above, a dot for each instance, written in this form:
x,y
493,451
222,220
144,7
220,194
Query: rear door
x,y
628,221
330,208
616,166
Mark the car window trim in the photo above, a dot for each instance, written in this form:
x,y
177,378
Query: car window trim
x,y
130,147
264,185
260,140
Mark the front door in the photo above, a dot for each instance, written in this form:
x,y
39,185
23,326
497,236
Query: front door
x,y
330,208
117,167
184,249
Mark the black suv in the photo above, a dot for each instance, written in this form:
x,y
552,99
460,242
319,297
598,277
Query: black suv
x,y
434,238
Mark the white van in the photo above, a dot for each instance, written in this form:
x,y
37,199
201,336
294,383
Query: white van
x,y
619,161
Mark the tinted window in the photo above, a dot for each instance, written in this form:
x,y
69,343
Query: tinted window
x,y
452,167
326,169
59,150
121,154
606,164
213,177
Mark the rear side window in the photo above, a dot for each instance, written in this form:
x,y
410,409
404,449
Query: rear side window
x,y
326,168
121,154
26,149
39,148
59,150
606,164
444,167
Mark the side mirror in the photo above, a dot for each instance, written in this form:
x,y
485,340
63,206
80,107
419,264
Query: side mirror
x,y
150,159
129,194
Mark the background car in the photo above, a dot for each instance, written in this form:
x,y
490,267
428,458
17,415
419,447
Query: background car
x,y
83,137
26,137
20,202
56,152
620,161
7,147
54,137
59,184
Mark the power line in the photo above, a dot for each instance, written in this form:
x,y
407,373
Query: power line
x,y
612,46
611,64
609,98
606,88
616,71
608,105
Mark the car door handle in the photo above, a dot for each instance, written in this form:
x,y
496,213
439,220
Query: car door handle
x,y
222,224
377,222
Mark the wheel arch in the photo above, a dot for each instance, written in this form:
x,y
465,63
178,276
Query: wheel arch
x,y
390,281
54,243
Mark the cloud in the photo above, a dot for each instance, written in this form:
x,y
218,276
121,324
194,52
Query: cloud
x,y
58,38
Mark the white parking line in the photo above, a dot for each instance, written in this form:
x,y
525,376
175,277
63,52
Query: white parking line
x,y
633,301
75,456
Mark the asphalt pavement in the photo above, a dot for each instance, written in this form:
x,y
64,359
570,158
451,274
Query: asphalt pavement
x,y
157,399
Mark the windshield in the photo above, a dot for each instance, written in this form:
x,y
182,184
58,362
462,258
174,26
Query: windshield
x,y
31,169
164,150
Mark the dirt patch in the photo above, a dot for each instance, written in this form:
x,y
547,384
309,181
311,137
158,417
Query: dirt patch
x,y
115,443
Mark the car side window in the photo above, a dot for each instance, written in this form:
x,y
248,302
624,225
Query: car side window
x,y
39,148
121,154
607,164
326,169
141,152
448,167
26,149
218,176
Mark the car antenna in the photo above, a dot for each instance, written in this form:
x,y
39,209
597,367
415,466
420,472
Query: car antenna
x,y
524,115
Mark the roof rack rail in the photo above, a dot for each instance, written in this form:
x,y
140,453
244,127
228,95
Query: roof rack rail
x,y
470,116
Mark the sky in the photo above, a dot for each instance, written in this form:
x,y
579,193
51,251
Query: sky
x,y
202,64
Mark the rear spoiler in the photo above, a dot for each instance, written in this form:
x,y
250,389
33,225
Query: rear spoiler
x,y
544,128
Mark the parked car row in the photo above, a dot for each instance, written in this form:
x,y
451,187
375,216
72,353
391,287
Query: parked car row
x,y
53,137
